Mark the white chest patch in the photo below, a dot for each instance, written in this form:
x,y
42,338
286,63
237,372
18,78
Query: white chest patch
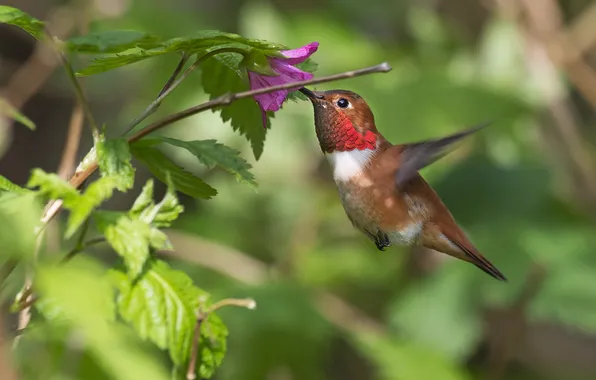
x,y
406,236
345,165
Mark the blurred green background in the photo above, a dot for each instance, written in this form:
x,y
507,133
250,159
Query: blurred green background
x,y
330,305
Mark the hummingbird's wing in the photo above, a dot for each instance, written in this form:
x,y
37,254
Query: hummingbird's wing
x,y
415,156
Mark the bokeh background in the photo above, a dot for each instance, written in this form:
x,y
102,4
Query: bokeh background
x,y
330,306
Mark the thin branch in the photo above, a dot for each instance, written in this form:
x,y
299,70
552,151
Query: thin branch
x,y
174,75
247,303
73,138
166,89
191,372
227,99
80,248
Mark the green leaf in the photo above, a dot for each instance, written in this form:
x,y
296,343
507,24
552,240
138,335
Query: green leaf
x,y
162,307
114,161
6,109
84,296
245,116
53,187
130,238
160,165
98,192
111,41
201,42
128,57
16,17
161,214
8,185
19,215
212,154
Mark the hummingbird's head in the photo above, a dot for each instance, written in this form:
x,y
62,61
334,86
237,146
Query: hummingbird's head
x,y
343,121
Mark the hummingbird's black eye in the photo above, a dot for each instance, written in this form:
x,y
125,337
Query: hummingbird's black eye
x,y
343,103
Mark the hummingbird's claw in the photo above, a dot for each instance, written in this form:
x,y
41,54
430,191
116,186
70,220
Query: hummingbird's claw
x,y
382,241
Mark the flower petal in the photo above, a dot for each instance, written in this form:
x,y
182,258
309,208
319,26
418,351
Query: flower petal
x,y
299,55
271,101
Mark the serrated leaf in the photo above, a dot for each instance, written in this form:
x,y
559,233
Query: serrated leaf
x,y
111,41
84,297
6,109
244,114
114,161
162,307
16,17
53,187
200,42
128,57
9,186
159,215
160,165
212,154
98,192
130,238
19,214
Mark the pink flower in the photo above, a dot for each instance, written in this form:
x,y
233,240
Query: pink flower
x,y
287,73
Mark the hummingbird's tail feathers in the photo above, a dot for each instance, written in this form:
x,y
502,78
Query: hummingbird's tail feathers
x,y
416,156
480,261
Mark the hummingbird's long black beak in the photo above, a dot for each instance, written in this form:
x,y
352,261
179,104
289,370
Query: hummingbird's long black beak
x,y
312,95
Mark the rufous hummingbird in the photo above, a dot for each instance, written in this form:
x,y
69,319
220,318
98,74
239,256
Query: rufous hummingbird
x,y
380,188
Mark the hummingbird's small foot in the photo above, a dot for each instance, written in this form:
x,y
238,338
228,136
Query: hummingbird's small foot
x,y
382,241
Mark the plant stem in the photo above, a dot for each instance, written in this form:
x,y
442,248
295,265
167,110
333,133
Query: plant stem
x,y
191,372
77,86
170,84
81,247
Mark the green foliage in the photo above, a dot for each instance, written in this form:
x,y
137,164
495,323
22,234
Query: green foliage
x,y
162,306
114,157
110,41
16,17
130,238
134,48
85,300
161,214
161,166
9,186
218,78
6,109
212,154
135,234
